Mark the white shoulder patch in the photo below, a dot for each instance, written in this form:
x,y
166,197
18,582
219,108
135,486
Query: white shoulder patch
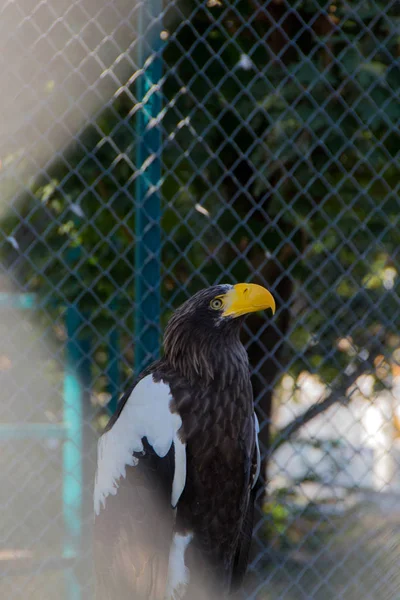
x,y
180,469
147,414
178,573
258,466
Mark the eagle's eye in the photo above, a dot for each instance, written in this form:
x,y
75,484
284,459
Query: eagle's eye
x,y
216,303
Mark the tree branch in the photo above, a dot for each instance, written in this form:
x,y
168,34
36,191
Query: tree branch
x,y
313,411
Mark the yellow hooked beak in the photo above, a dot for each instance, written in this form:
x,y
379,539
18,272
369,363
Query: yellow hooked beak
x,y
246,298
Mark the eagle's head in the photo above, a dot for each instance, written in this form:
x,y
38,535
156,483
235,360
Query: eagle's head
x,y
203,334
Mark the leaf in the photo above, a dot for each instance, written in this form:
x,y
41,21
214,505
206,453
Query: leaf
x,y
350,60
77,210
393,77
307,74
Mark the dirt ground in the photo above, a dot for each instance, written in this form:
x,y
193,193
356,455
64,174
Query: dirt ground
x,y
357,560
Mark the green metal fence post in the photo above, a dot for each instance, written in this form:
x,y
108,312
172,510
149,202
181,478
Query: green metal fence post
x,y
148,205
72,451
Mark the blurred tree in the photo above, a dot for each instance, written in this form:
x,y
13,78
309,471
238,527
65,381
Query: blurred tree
x,y
292,113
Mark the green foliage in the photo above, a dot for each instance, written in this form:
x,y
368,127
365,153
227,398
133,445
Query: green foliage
x,y
294,156
277,516
318,131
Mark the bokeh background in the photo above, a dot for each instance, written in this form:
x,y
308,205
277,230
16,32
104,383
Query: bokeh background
x,y
148,150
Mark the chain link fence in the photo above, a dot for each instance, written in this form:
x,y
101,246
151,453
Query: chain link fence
x,y
148,150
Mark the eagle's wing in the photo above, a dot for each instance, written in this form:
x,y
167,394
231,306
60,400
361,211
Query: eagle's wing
x,y
140,476
243,549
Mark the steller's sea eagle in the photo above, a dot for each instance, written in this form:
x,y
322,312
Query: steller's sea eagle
x,y
178,463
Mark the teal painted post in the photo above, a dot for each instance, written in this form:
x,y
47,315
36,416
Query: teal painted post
x,y
148,203
21,301
72,451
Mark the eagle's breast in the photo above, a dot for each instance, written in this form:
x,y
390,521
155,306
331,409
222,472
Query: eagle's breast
x,y
218,429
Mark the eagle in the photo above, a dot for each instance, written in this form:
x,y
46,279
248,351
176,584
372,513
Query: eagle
x,y
179,461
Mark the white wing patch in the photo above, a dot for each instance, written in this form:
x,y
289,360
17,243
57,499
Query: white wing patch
x,y
180,469
178,573
258,466
147,414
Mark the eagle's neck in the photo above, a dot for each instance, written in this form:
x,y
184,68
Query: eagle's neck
x,y
207,356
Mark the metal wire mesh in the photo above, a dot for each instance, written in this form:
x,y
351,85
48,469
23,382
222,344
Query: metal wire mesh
x,y
271,137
